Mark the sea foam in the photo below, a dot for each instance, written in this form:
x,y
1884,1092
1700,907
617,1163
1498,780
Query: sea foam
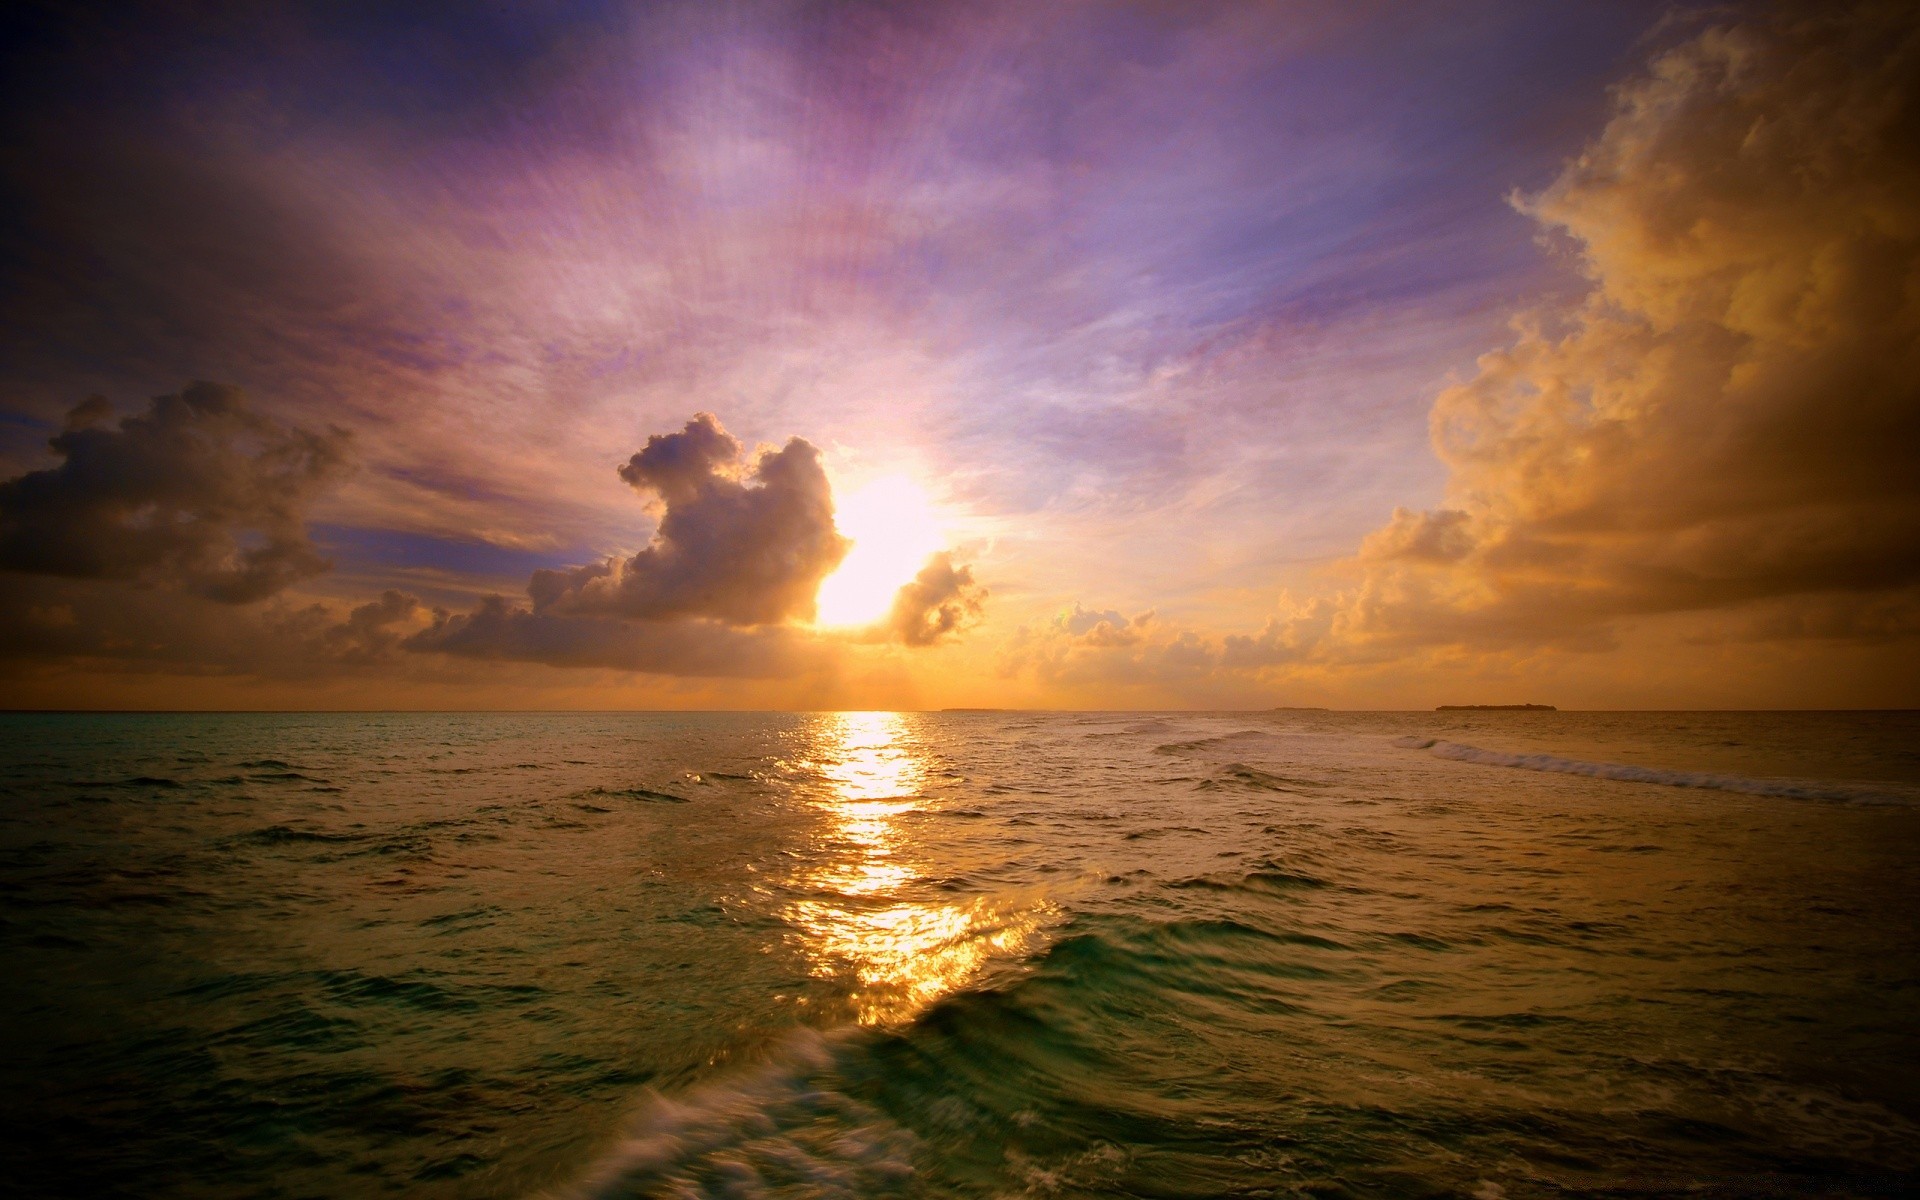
x,y
760,1132
1802,789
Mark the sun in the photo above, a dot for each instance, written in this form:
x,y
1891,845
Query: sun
x,y
894,528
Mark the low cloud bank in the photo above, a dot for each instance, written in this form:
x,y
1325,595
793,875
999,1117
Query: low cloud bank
x,y
501,630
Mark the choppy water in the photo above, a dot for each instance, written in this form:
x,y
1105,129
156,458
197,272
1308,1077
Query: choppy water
x,y
970,954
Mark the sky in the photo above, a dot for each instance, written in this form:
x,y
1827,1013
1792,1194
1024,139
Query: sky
x,y
1085,355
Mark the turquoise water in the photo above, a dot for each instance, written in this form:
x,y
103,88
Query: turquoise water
x,y
969,954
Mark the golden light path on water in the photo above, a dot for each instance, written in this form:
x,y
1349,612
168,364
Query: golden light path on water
x,y
906,952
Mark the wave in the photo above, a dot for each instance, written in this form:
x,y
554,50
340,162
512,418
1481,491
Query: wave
x,y
287,777
138,781
1801,789
1253,777
1202,743
277,835
789,1121
1024,1084
633,793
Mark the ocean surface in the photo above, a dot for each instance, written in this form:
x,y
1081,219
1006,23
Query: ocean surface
x,y
962,954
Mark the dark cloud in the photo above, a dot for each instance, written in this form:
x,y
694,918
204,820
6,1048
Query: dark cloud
x,y
736,544
94,410
198,493
940,601
740,552
736,561
502,630
48,623
202,494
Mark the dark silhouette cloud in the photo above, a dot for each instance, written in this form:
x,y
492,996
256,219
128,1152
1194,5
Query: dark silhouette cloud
x,y
207,497
738,558
939,602
48,622
737,544
740,552
500,629
198,493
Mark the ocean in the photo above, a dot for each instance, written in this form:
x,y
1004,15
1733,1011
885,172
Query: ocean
x,y
971,954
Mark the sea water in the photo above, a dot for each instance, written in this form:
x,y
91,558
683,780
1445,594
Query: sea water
x,y
962,954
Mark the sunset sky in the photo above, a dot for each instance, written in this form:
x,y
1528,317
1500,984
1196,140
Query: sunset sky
x,y
1094,355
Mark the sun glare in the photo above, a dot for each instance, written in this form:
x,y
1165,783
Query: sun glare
x,y
894,528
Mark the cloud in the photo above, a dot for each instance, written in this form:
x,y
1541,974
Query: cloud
x,y
737,545
939,602
739,554
186,495
1296,635
199,493
736,561
502,630
1729,417
49,623
374,630
1084,644
1108,628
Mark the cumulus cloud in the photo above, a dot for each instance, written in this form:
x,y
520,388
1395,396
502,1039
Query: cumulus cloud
x,y
372,631
1101,649
1730,417
739,554
736,563
1725,423
740,544
1104,628
1295,635
938,603
203,494
198,493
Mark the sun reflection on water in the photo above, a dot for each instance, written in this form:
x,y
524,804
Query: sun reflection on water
x,y
861,914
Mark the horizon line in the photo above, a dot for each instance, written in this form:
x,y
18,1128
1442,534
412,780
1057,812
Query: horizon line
x,y
950,711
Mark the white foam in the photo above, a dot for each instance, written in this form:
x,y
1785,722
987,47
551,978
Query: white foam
x,y
752,1132
1804,789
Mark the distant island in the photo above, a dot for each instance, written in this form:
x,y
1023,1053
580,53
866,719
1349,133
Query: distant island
x,y
1496,708
1297,708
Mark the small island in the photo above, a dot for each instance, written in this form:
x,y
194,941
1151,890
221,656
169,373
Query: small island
x,y
1496,708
